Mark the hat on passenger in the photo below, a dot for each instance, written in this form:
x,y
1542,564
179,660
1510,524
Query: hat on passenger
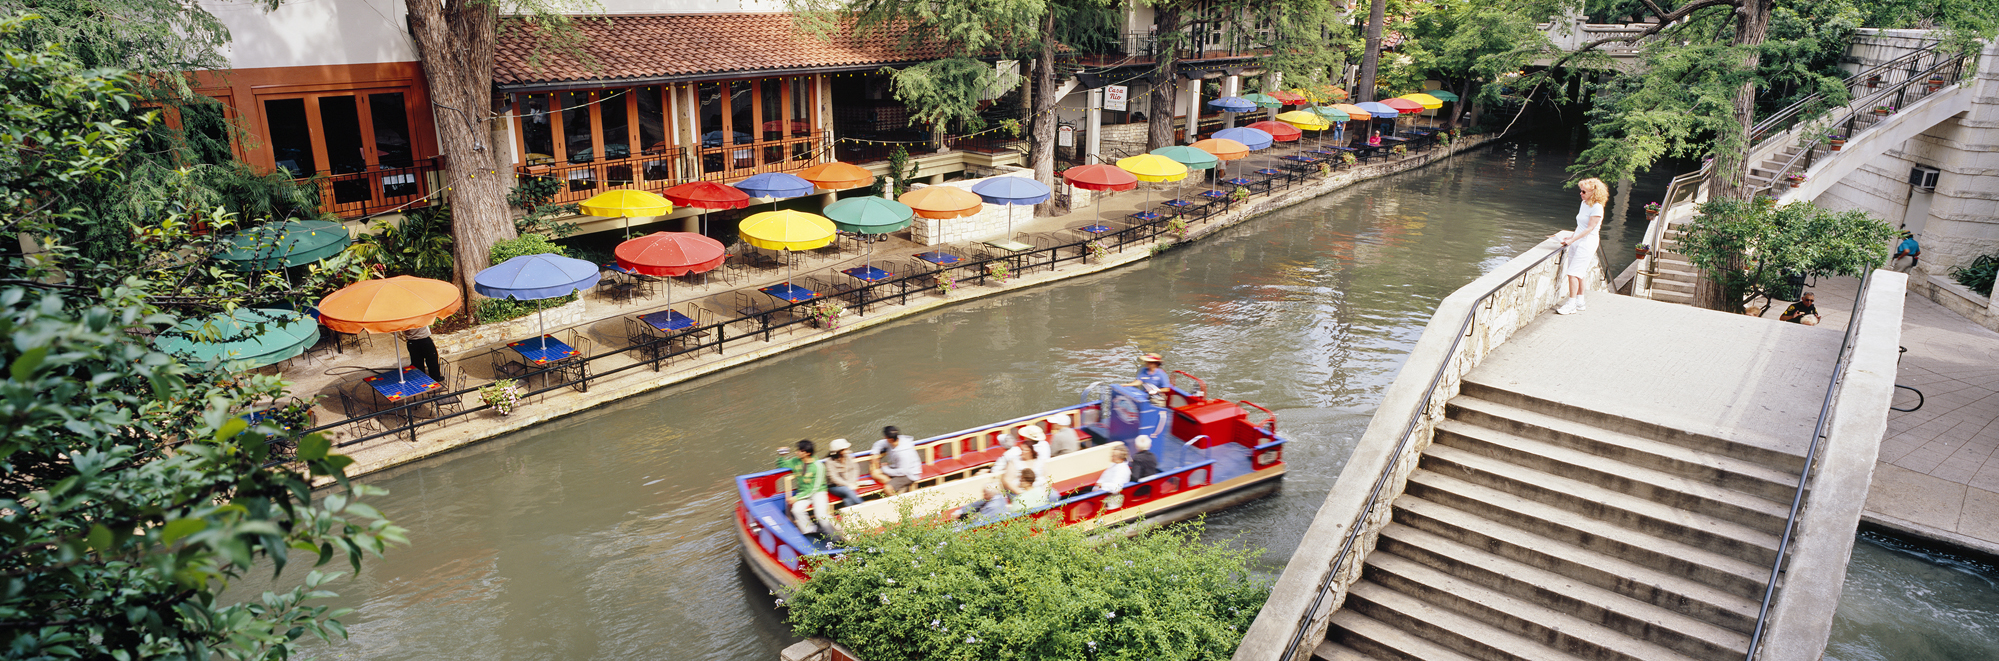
x,y
1143,442
1032,433
1151,358
1062,420
838,444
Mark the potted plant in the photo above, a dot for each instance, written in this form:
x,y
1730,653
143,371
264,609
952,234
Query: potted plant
x,y
1399,150
1836,141
1874,80
503,395
1239,194
1643,250
1177,228
825,313
946,283
296,415
998,271
1795,179
1348,158
1651,210
1097,249
1884,110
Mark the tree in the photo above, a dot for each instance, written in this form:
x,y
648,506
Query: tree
x,y
1756,249
455,41
131,494
1303,47
1371,60
1469,45
1013,590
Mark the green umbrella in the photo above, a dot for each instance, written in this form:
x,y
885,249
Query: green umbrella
x,y
1332,114
1442,95
279,245
869,215
244,338
1263,100
1194,159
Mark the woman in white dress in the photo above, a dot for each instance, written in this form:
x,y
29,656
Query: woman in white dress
x,y
1581,244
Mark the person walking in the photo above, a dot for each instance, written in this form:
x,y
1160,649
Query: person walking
x,y
1581,244
423,351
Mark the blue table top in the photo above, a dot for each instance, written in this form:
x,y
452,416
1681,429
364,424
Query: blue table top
x,y
1095,229
667,320
938,257
786,291
411,381
1147,215
1239,181
1301,158
1178,204
1269,172
615,267
1212,194
543,350
866,273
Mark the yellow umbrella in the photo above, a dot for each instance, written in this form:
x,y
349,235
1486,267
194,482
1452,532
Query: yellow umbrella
x,y
626,204
1428,102
1305,121
1153,167
787,230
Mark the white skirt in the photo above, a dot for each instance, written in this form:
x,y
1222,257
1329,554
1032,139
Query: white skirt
x,y
1580,258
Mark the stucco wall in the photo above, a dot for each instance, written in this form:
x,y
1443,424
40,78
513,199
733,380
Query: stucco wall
x,y
319,33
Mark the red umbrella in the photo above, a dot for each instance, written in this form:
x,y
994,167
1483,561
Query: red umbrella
x,y
1289,98
1404,105
669,254
1100,177
707,195
1279,131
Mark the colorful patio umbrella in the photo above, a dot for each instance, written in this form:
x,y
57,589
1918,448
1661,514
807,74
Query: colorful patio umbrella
x,y
1263,100
941,202
1194,159
626,204
1012,192
244,338
388,305
1322,93
787,230
1428,102
1223,148
1152,167
1289,98
670,254
1403,106
1232,104
870,215
1099,177
775,185
1304,120
1254,139
1331,114
1278,131
273,246
1377,110
1441,95
1354,111
837,176
707,195
536,278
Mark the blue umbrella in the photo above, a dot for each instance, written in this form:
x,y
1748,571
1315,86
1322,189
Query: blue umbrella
x,y
1233,104
1379,110
1249,137
536,277
775,185
1011,191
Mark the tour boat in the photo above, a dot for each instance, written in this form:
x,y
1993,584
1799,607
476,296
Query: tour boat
x,y
1211,456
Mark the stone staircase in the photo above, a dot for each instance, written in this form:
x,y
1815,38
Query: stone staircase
x,y
1534,530
1673,276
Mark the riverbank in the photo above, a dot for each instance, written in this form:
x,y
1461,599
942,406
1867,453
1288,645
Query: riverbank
x,y
387,452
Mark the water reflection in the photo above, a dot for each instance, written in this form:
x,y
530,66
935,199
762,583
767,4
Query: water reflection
x,y
607,535
1905,603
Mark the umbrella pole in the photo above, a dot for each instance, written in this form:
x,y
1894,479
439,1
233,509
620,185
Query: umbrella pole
x,y
544,324
397,343
1009,222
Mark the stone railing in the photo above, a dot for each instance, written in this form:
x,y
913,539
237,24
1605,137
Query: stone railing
x,y
1468,325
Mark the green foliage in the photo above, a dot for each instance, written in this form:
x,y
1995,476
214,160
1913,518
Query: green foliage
x,y
1978,275
945,92
539,215
901,173
1459,41
526,244
1752,247
420,245
1014,591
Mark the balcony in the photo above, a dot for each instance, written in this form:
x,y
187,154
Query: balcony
x,y
367,192
665,168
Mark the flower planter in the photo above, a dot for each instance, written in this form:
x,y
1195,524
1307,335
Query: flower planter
x,y
1837,144
1643,252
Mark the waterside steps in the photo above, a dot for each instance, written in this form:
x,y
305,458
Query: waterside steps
x,y
1613,485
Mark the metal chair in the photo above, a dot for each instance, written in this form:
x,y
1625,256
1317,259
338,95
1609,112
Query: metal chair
x,y
452,400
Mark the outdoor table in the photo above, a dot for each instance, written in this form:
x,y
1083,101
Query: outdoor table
x,y
785,291
1145,216
1178,204
1238,181
1014,247
1270,172
938,257
412,383
1301,158
1213,195
668,320
543,350
1098,228
867,273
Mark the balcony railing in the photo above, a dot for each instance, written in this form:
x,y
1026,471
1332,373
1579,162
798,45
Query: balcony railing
x,y
667,168
353,194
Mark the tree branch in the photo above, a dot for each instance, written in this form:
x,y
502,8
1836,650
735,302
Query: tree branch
x,y
1664,22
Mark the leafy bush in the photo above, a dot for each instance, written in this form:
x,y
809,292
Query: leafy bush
x,y
539,215
492,310
527,244
420,245
1978,275
1757,248
1013,590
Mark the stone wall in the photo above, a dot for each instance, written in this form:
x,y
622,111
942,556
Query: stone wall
x,y
488,335
989,223
1312,567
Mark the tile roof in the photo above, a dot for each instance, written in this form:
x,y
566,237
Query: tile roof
x,y
667,46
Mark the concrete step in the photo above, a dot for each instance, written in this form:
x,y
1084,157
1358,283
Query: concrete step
x,y
1330,651
1576,497
1378,640
1787,464
1670,590
1759,514
1672,297
1674,282
1724,571
1556,626
1443,628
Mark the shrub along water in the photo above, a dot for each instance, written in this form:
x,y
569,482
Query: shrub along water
x,y
1014,590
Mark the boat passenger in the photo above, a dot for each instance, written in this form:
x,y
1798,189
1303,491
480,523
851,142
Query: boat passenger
x,y
1062,439
1144,463
1040,440
1035,497
1119,472
1027,462
990,508
896,464
1152,374
843,474
808,492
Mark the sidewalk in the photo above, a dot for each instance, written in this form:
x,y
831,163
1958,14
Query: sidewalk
x,y
1937,475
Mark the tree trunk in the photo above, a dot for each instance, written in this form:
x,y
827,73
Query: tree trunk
x,y
454,41
1042,137
1371,61
1728,177
1165,78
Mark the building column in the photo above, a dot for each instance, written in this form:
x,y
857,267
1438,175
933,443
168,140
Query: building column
x,y
1192,90
1093,120
1231,86
1270,85
1961,225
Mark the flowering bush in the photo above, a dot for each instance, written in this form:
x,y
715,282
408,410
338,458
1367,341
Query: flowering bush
x,y
1012,590
1177,228
998,271
1097,249
1348,158
1652,207
1399,150
825,313
946,282
503,395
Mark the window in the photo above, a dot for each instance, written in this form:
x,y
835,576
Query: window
x,y
291,136
537,128
578,141
359,141
591,139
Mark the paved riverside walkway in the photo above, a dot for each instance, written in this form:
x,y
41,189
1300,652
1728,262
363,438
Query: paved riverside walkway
x,y
1938,473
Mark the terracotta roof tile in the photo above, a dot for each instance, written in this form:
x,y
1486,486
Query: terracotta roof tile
x,y
656,46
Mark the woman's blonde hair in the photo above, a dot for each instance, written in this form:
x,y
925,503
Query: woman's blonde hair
x,y
1598,193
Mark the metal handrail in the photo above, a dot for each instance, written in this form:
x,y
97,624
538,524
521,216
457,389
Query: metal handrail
x,y
1408,430
1900,89
1840,363
1851,83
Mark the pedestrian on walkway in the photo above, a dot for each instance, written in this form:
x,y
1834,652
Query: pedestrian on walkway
x,y
423,351
1910,249
1581,244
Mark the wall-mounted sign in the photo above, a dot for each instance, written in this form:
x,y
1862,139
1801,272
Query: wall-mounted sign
x,y
1065,136
1114,96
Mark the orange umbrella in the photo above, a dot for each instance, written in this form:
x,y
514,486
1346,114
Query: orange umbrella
x,y
942,202
1224,149
837,176
388,305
